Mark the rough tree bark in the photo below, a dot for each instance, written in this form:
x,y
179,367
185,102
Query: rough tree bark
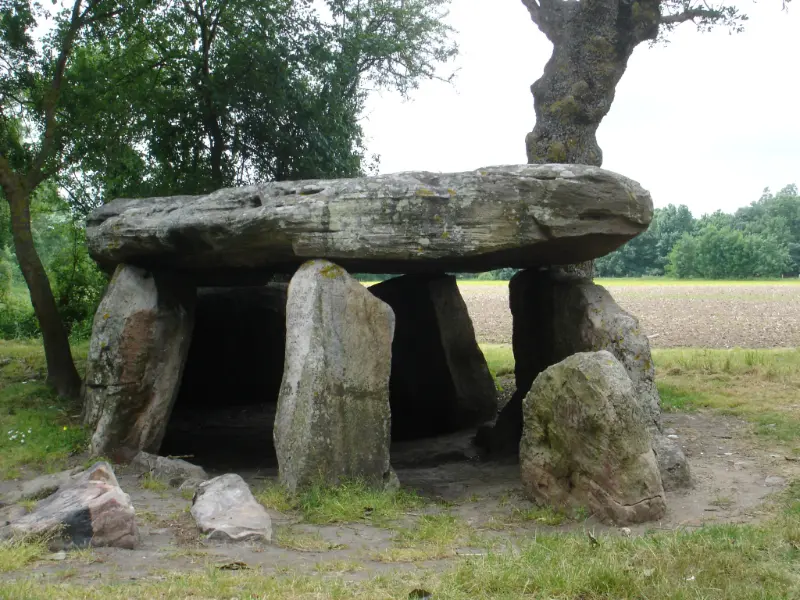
x,y
592,42
61,372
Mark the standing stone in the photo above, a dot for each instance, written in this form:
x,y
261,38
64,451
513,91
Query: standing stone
x,y
225,509
333,419
440,381
92,510
557,314
585,442
140,338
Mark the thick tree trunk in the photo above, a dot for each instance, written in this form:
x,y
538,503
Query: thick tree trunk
x,y
592,42
61,372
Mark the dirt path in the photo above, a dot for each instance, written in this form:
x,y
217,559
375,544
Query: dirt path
x,y
731,486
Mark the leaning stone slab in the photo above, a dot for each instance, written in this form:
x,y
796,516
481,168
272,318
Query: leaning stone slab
x,y
225,509
333,418
440,380
174,471
140,338
90,511
585,442
505,216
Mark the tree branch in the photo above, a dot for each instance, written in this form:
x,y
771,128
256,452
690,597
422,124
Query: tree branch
x,y
35,174
690,15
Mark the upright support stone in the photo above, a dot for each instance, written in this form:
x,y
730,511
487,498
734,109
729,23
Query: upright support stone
x,y
333,419
140,339
558,314
440,381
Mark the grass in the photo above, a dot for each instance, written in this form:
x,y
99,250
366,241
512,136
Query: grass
x,y
36,427
760,386
292,538
351,501
431,537
151,483
718,562
17,554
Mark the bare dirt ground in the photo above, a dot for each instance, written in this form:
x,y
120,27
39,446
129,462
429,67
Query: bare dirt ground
x,y
675,315
731,478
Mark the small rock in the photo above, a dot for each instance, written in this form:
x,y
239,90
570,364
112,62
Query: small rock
x,y
225,509
89,511
672,436
626,531
175,471
61,555
774,481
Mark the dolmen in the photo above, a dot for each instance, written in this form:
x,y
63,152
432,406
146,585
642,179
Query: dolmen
x,y
351,368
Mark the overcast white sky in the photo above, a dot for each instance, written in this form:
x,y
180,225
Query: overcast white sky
x,y
707,120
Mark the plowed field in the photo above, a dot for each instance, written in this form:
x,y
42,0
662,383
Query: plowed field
x,y
701,314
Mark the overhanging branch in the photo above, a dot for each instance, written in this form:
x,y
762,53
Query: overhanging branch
x,y
690,15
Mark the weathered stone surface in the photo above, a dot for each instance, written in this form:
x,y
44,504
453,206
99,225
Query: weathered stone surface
x,y
557,314
507,216
90,511
174,471
672,462
333,419
225,509
585,442
140,338
236,354
43,486
440,381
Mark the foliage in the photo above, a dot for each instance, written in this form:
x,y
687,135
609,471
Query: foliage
x,y
228,92
760,240
76,281
722,252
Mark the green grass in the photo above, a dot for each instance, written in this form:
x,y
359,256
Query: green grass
x,y
352,501
758,385
17,554
36,427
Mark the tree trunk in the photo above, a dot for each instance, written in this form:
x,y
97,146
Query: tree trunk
x,y
61,372
592,42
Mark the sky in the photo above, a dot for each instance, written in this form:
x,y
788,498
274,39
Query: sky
x,y
708,120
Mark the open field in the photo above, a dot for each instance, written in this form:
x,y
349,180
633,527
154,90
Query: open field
x,y
716,314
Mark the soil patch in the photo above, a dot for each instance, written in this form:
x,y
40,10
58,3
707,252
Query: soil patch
x,y
684,315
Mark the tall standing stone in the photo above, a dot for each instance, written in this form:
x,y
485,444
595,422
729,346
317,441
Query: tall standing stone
x,y
140,339
440,381
333,419
585,442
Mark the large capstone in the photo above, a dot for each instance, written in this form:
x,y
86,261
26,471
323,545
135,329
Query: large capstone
x,y
585,443
333,419
440,381
557,314
140,339
509,216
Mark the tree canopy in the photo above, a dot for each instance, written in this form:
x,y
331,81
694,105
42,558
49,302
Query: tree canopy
x,y
105,98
